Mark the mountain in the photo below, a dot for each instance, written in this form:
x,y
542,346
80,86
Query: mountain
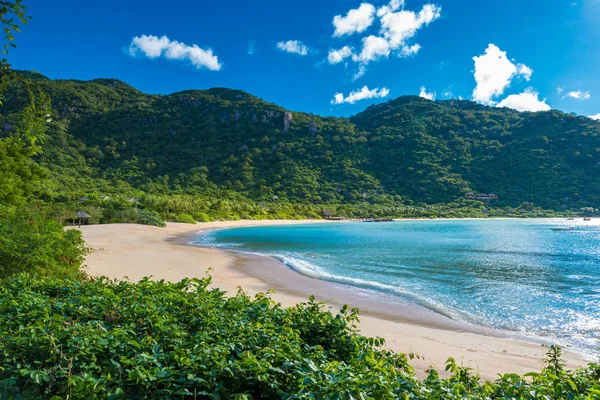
x,y
437,150
107,136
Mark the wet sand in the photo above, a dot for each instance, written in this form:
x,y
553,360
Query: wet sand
x,y
136,251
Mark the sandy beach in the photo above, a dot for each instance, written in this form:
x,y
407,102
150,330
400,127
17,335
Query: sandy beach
x,y
135,251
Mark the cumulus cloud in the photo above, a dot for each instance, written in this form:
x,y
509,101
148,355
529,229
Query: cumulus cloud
x,y
154,47
578,95
374,47
356,21
398,27
361,94
393,5
596,117
494,72
524,71
526,101
423,93
409,51
338,55
293,46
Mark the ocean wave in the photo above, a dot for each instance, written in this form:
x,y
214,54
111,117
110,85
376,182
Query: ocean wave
x,y
311,270
582,277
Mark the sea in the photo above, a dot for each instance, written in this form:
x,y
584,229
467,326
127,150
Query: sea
x,y
537,277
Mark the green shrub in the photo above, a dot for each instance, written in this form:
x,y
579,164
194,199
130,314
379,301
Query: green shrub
x,y
132,215
149,217
31,243
201,217
128,215
185,218
103,339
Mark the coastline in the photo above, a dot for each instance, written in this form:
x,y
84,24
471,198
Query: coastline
x,y
136,251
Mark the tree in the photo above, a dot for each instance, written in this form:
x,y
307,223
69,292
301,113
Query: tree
x,y
18,171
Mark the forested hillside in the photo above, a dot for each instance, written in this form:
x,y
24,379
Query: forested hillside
x,y
435,151
106,137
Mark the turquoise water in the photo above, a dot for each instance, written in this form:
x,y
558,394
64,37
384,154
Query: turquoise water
x,y
517,275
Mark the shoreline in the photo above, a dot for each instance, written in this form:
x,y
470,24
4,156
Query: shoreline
x,y
277,275
135,251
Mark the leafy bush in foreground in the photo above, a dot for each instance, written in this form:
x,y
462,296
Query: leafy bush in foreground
x,y
31,243
103,339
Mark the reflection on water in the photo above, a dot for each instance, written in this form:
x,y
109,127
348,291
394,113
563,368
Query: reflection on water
x,y
510,274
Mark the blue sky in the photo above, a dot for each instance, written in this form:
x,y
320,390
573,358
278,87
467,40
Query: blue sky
x,y
329,57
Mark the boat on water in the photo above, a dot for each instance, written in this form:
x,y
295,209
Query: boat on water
x,y
587,219
379,220
570,219
562,228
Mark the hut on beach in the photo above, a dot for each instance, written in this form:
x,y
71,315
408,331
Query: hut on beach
x,y
327,214
82,216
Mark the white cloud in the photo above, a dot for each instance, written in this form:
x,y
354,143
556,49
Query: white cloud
x,y
596,117
398,27
578,95
525,71
338,55
356,21
559,90
393,5
360,72
423,93
151,46
374,48
526,101
409,51
447,93
293,46
251,47
494,73
361,94
154,47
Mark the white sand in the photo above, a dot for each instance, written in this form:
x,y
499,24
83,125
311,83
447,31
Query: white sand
x,y
136,251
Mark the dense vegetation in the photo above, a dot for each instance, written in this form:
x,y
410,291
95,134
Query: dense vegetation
x,y
125,156
101,339
227,154
29,242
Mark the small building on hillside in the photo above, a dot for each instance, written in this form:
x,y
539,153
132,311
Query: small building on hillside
x,y
481,196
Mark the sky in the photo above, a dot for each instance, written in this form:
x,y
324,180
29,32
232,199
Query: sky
x,y
328,57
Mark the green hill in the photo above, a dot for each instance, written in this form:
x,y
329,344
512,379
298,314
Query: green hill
x,y
106,136
435,151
